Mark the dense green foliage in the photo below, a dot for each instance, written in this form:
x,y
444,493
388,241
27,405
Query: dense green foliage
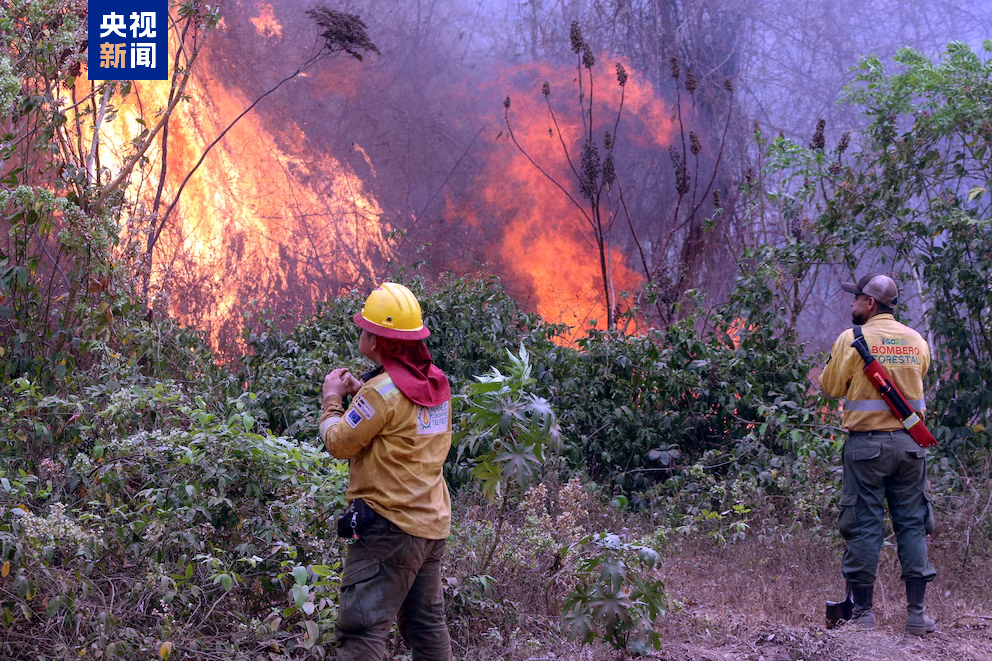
x,y
166,507
627,406
912,201
630,405
473,323
55,254
922,180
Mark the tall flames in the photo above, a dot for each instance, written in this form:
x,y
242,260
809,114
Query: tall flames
x,y
269,216
263,218
547,243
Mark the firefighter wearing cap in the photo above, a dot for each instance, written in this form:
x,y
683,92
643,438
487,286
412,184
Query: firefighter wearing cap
x,y
396,434
882,463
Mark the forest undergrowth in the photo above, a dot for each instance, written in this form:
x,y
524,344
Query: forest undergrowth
x,y
668,493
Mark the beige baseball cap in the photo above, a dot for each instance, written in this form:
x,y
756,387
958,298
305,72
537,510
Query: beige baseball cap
x,y
876,285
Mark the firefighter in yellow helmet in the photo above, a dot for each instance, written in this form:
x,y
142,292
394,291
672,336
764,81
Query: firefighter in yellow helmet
x,y
397,433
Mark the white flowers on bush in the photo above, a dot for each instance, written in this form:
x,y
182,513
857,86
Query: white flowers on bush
x,y
10,84
81,464
58,527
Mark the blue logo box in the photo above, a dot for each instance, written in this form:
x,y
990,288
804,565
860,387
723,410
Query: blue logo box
x,y
128,40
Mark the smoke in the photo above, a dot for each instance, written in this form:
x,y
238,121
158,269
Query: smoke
x,y
359,169
356,171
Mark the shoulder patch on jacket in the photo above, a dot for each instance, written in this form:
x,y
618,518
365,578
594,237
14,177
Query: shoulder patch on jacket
x,y
363,407
433,420
353,417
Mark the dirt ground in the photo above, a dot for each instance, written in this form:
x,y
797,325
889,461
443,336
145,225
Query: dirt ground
x,y
763,600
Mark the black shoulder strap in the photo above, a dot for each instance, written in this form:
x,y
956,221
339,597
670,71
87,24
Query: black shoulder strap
x,y
861,346
365,376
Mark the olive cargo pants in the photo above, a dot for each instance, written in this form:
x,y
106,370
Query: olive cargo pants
x,y
884,467
388,573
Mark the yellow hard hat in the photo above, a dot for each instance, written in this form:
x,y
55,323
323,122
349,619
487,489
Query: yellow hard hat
x,y
392,311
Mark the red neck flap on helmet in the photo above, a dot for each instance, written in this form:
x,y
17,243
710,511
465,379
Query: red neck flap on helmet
x,y
409,364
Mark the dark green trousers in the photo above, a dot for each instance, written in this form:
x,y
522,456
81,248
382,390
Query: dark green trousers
x,y
389,575
884,468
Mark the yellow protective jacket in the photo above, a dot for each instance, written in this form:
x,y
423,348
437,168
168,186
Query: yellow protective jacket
x,y
900,350
397,449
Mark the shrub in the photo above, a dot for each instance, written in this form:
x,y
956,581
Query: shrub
x,y
473,323
198,532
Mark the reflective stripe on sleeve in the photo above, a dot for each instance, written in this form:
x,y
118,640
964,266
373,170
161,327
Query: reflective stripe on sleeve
x,y
387,389
880,405
328,423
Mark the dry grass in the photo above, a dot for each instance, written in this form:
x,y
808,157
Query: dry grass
x,y
761,599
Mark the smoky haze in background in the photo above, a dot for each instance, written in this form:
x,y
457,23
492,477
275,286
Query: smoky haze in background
x,y
422,125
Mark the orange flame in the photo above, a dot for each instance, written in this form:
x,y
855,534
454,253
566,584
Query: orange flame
x,y
269,217
547,241
266,23
737,328
263,217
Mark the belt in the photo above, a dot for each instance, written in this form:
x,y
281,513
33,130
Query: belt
x,y
890,434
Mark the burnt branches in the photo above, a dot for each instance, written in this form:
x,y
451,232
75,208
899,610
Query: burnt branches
x,y
192,27
595,174
693,186
342,32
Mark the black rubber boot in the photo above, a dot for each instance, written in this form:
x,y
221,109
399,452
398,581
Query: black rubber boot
x,y
862,615
917,622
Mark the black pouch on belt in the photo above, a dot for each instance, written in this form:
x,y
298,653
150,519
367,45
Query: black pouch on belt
x,y
355,518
